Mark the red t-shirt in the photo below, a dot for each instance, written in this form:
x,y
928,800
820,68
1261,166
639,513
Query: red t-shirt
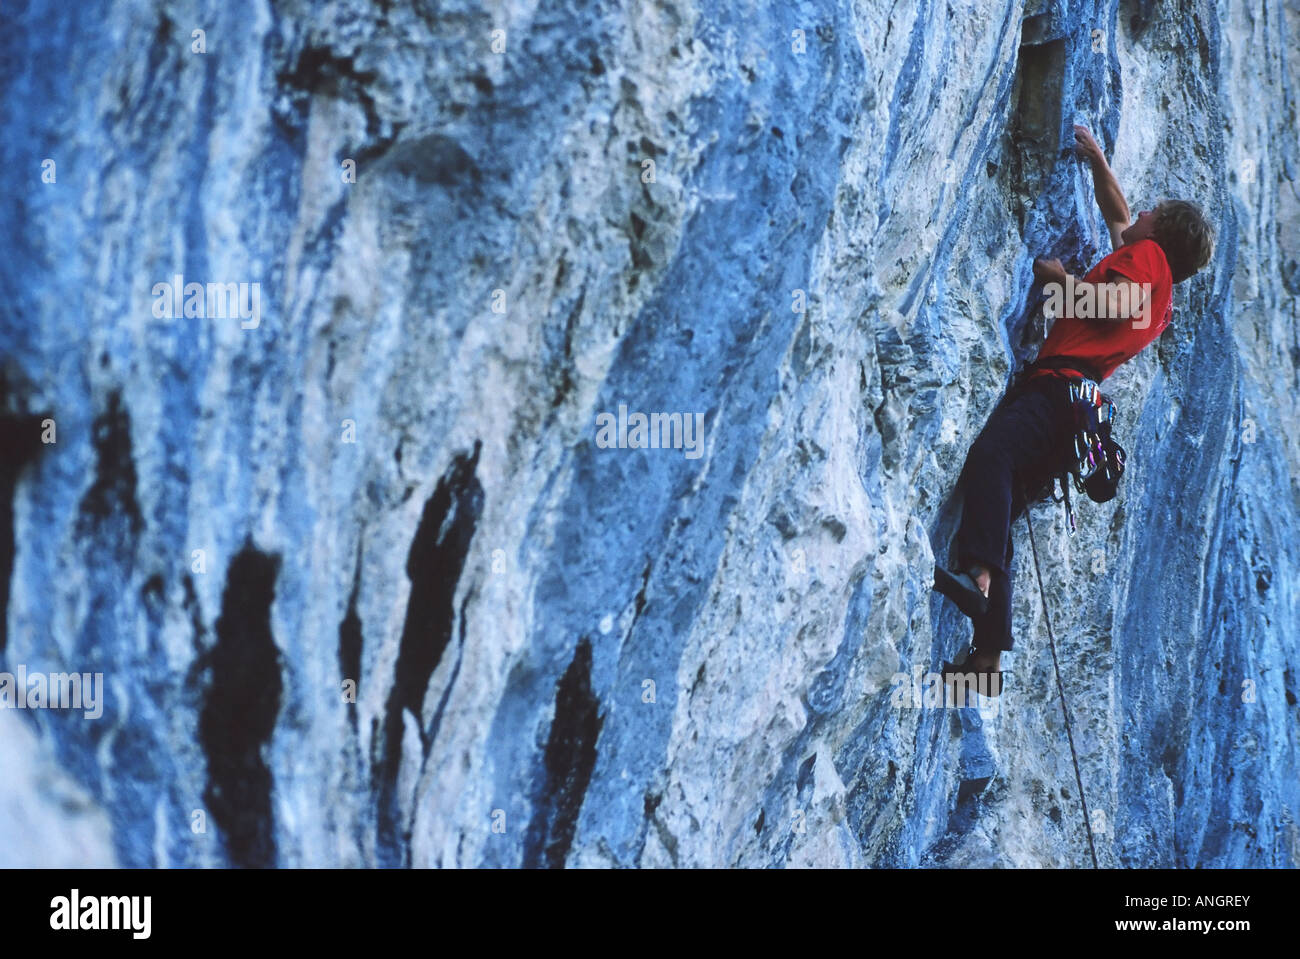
x,y
1107,343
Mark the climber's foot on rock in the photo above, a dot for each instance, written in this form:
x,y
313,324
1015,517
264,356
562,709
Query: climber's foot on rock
x,y
969,590
980,661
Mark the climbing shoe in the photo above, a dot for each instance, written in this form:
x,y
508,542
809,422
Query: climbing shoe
x,y
961,589
985,682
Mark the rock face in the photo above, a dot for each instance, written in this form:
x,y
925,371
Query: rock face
x,y
366,581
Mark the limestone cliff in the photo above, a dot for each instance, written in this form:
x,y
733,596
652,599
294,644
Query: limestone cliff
x,y
368,586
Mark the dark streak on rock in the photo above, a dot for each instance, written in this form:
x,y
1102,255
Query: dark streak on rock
x,y
113,491
319,70
569,760
20,441
434,567
565,379
240,710
350,639
191,604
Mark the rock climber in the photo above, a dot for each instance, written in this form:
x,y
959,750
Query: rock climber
x,y
1128,296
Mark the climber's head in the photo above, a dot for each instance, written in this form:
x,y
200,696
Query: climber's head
x,y
1182,232
1141,228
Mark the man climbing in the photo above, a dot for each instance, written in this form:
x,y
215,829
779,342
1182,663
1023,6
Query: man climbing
x,y
1130,294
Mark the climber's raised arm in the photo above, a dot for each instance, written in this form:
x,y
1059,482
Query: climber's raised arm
x,y
1114,208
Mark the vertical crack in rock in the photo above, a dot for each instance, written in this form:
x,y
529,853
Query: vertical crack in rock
x,y
1036,123
563,351
569,760
113,491
240,710
433,566
451,682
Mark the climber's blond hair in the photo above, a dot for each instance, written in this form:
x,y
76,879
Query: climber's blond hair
x,y
1185,235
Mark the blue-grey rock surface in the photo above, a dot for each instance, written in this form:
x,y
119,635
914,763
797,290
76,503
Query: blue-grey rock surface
x,y
368,585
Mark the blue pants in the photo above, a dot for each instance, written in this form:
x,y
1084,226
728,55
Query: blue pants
x,y
1014,455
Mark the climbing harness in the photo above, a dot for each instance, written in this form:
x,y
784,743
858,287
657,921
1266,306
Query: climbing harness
x,y
1060,688
1093,461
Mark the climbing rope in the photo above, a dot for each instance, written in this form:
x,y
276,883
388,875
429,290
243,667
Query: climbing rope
x,y
1060,687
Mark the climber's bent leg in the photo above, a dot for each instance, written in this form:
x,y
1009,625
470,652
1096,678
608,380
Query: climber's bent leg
x,y
993,629
1016,442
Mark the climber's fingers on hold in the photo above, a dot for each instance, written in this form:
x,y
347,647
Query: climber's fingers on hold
x,y
1048,269
1084,142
